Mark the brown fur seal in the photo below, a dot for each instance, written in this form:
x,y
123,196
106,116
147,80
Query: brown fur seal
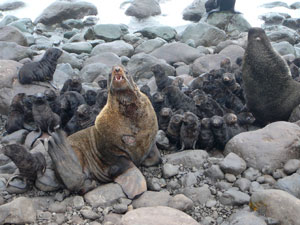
x,y
271,93
123,135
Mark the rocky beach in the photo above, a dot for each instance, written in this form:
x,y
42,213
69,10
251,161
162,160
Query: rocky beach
x,y
231,170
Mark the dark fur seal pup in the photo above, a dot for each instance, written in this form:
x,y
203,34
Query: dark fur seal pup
x,y
123,136
164,117
189,131
101,100
147,91
53,100
73,84
206,136
220,131
232,125
158,101
90,97
173,130
270,91
161,79
42,70
220,5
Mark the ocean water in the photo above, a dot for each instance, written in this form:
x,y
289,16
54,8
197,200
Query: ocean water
x,y
109,11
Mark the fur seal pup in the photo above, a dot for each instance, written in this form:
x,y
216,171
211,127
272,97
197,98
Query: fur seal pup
x,y
206,136
73,84
122,138
270,91
173,130
90,97
164,117
220,5
220,131
42,70
161,79
53,100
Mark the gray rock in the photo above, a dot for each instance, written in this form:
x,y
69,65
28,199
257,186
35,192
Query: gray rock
x,y
188,158
271,146
48,181
181,202
7,20
72,23
24,25
268,202
90,72
170,170
293,23
251,174
165,32
153,184
275,4
119,47
152,198
255,186
291,166
243,184
214,172
176,52
233,24
232,163
282,33
149,45
161,139
194,11
290,184
230,177
12,34
88,213
105,195
295,5
78,47
62,10
284,48
71,59
110,32
8,168
159,215
246,218
120,208
107,58
199,195
233,52
189,179
206,63
11,5
78,202
235,198
143,8
203,34
15,137
272,18
140,65
13,51
59,78
4,159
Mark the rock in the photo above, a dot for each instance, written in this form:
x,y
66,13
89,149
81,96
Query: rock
x,y
214,172
269,203
194,11
199,195
8,168
159,215
170,170
90,72
12,34
282,33
78,202
104,195
230,177
110,32
119,47
233,52
232,163
271,146
203,34
181,202
162,141
78,47
165,32
272,18
291,166
140,65
11,5
293,23
176,52
143,8
112,219
246,218
7,20
59,11
233,24
243,184
189,179
88,213
235,198
19,211
15,137
13,51
149,45
48,181
24,25
188,158
71,59
206,63
284,48
152,198
107,58
59,78
251,174
72,23
295,5
290,184
275,4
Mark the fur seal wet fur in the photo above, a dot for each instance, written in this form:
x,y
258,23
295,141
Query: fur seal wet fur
x,y
122,138
220,5
270,91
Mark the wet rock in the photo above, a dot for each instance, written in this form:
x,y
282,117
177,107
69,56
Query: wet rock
x,y
107,58
119,47
206,63
290,184
13,51
233,197
24,25
293,23
170,170
181,202
11,5
149,45
63,10
194,11
110,32
165,32
199,195
12,34
291,166
271,146
105,195
143,8
176,52
232,163
78,47
268,202
152,198
90,72
159,215
72,23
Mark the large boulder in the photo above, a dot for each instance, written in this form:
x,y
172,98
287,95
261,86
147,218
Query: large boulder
x,y
284,48
290,184
13,51
90,72
277,204
176,52
207,63
11,5
282,33
143,9
233,52
270,147
59,11
110,32
203,34
24,25
119,47
159,215
194,11
165,32
149,45
108,58
12,34
78,47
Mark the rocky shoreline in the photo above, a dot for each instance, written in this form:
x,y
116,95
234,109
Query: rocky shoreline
x,y
230,182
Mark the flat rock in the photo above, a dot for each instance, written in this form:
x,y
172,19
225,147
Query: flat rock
x,y
181,202
11,5
12,34
282,33
143,8
149,45
176,52
206,63
275,4
13,51
107,58
165,32
119,47
90,72
194,11
199,195
159,215
290,184
271,146
110,32
78,47
277,204
59,11
235,198
152,198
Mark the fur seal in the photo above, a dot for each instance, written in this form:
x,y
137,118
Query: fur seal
x,y
270,91
73,84
42,70
122,138
220,5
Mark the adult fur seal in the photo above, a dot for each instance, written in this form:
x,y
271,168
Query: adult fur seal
x,y
123,136
270,91
42,70
220,5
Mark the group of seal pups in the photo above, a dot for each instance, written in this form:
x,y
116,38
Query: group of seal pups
x,y
113,131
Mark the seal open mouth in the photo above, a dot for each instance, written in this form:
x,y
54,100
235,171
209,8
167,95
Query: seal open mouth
x,y
118,77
